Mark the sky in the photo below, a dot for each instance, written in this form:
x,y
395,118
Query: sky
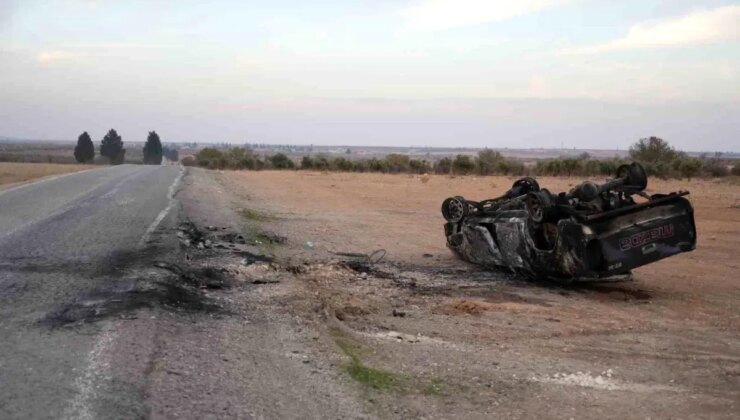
x,y
474,73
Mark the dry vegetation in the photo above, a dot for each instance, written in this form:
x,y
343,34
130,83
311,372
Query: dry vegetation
x,y
11,172
493,344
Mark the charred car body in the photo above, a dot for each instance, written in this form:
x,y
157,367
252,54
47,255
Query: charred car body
x,y
595,231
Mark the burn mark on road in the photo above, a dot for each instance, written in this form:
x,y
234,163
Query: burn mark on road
x,y
177,289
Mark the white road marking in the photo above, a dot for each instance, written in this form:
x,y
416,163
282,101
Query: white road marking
x,y
163,213
87,383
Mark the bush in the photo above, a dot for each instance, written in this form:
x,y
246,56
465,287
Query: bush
x,y
419,166
716,169
377,165
321,163
397,163
342,164
188,161
443,166
307,162
462,165
210,158
489,162
281,161
736,169
689,167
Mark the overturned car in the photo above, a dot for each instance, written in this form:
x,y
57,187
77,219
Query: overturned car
x,y
595,231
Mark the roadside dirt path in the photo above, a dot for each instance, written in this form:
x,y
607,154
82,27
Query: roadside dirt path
x,y
12,173
422,334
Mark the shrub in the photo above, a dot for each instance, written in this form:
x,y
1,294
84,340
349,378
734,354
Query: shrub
x,y
397,163
240,158
689,167
342,164
489,162
210,158
188,161
419,166
377,165
716,169
463,165
321,163
307,162
281,161
443,166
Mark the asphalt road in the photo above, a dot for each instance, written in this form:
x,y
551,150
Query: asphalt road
x,y
60,238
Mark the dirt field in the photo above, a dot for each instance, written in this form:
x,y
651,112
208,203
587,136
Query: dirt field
x,y
11,173
429,336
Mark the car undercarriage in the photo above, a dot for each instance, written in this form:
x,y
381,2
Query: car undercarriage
x,y
594,231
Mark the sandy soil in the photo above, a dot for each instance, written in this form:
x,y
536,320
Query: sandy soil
x,y
467,343
11,172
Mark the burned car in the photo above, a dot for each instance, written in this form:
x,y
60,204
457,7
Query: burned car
x,y
594,231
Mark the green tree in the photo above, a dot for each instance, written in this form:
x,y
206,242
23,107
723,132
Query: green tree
x,y
112,147
652,150
153,149
85,149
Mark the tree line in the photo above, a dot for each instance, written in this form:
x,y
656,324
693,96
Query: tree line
x,y
656,155
111,148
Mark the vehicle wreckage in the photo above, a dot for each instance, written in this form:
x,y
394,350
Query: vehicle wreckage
x,y
595,231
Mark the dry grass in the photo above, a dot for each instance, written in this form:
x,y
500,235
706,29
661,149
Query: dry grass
x,y
11,172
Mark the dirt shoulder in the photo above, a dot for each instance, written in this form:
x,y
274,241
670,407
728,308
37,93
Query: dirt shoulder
x,y
13,173
431,336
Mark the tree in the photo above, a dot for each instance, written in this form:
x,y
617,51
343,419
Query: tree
x,y
85,149
652,150
153,149
112,147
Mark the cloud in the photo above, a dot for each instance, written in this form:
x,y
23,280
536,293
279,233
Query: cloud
x,y
7,10
54,56
433,15
704,27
